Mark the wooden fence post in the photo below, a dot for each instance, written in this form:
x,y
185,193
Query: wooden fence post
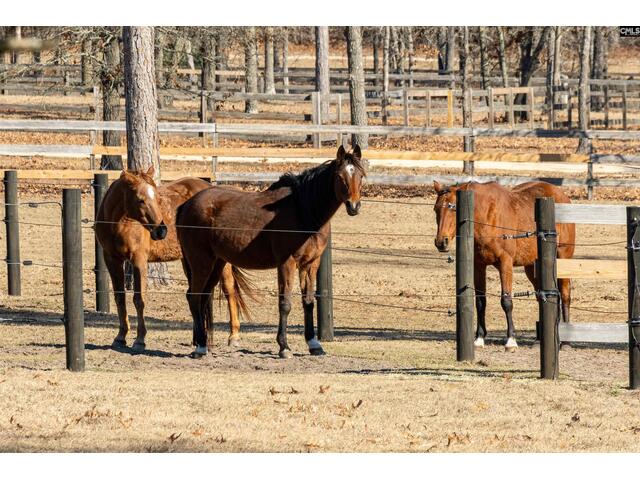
x,y
316,113
450,109
491,117
464,275
100,185
569,108
633,275
606,106
531,102
324,293
72,278
12,224
428,113
548,295
511,113
405,106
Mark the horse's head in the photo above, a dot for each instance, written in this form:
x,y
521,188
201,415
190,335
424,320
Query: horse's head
x,y
350,172
142,202
445,209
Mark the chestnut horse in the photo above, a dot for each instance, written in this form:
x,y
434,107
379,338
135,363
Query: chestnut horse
x,y
283,227
135,222
514,210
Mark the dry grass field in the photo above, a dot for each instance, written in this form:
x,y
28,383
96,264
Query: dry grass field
x,y
389,381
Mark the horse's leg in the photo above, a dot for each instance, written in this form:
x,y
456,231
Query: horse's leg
x,y
307,287
285,281
228,285
199,274
187,273
139,289
565,294
206,308
116,272
480,283
506,281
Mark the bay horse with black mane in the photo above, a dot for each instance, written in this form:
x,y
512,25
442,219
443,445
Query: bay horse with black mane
x,y
496,206
283,227
135,222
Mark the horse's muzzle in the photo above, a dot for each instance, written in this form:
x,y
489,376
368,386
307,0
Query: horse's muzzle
x,y
353,208
159,232
442,245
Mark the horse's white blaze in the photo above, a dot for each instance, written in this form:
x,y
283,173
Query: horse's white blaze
x,y
151,192
511,343
479,342
201,350
314,343
350,169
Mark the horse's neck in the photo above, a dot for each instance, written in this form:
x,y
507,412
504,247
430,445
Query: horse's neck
x,y
324,204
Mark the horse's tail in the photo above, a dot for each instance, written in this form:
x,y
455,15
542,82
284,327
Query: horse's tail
x,y
243,287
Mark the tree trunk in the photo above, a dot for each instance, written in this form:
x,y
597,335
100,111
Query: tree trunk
x,y
356,84
376,56
277,50
584,146
285,60
16,57
530,52
86,63
599,68
411,54
451,54
193,78
322,68
549,77
269,82
159,59
250,69
208,69
484,58
442,50
176,58
502,54
111,79
143,142
465,73
385,74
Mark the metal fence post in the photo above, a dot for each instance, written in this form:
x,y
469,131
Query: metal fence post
x,y
12,224
633,276
100,185
548,295
72,278
464,275
324,292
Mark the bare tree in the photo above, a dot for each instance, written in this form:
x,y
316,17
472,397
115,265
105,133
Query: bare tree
x,y
356,84
285,60
484,57
143,142
159,58
385,74
111,81
375,41
502,54
442,49
451,53
322,67
208,53
269,82
584,145
86,62
250,68
530,58
410,53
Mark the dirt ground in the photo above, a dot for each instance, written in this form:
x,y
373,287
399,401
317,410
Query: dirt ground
x,y
389,381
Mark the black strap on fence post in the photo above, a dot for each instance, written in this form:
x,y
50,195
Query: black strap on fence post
x,y
72,278
464,276
11,220
633,276
100,185
548,297
324,292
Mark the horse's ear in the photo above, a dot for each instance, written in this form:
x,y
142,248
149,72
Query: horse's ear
x,y
357,153
124,174
437,187
151,171
341,154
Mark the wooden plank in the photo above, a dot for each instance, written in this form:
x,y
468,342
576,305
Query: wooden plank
x,y
87,125
590,214
594,332
591,268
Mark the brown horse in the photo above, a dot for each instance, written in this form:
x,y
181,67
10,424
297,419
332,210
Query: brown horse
x,y
514,210
135,222
282,227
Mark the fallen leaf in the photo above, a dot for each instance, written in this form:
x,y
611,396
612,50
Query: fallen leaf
x,y
293,391
220,439
197,432
324,388
357,404
174,436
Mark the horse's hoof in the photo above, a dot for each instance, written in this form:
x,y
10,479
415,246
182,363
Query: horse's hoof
x,y
119,343
234,342
316,352
511,345
285,354
199,352
139,346
478,342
